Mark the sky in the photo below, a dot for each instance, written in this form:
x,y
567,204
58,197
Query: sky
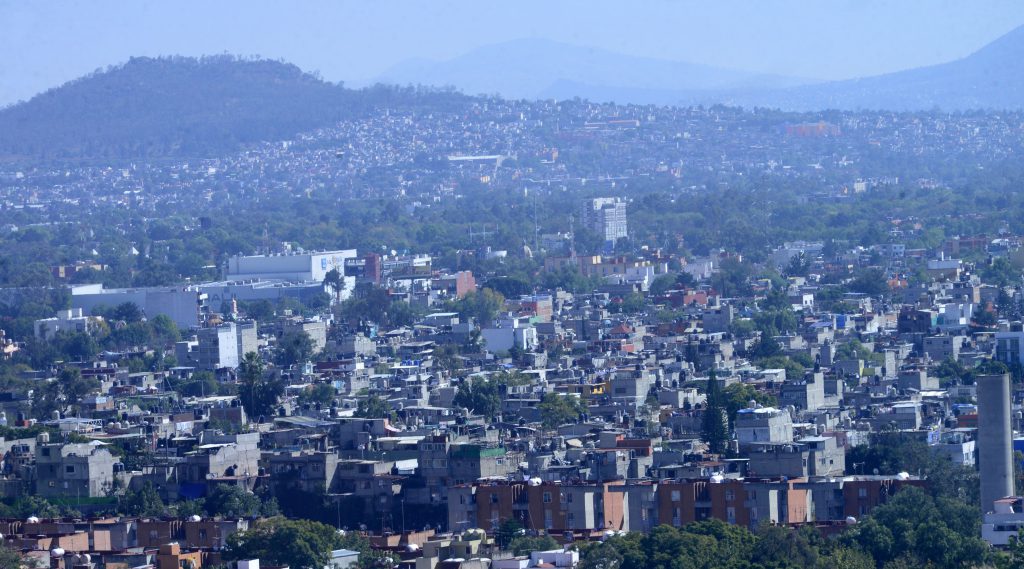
x,y
45,43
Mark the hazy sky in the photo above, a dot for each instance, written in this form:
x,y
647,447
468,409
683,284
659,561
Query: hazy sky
x,y
45,43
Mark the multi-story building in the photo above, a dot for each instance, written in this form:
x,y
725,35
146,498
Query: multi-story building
x,y
763,425
68,321
219,347
605,217
78,469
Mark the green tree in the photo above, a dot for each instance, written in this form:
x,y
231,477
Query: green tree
x,y
373,407
481,396
294,348
714,426
145,502
10,558
739,395
322,393
232,501
335,281
662,284
299,544
163,330
507,531
483,305
258,394
62,394
524,544
558,409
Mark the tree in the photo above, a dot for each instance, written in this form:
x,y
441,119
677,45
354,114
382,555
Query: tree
x,y
507,531
299,544
258,394
10,558
144,502
739,395
294,348
480,396
871,282
335,281
662,284
373,407
164,330
483,305
62,394
524,544
232,502
714,426
321,393
558,409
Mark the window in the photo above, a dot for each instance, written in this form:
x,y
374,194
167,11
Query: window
x,y
730,495
862,492
675,495
547,497
494,498
730,514
69,469
568,497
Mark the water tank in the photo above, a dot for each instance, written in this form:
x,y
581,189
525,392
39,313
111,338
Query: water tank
x,y
195,518
43,438
57,552
850,520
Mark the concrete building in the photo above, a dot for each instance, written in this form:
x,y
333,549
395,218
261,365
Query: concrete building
x,y
1004,521
70,470
222,346
316,329
810,456
1010,345
605,217
185,305
509,332
273,290
68,321
763,425
296,267
995,439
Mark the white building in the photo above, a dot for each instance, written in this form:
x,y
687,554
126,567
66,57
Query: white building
x,y
1004,522
70,321
294,267
219,347
183,304
510,332
606,217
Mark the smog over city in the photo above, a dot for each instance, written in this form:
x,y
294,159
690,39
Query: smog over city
x,y
511,285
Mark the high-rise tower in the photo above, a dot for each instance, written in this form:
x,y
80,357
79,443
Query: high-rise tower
x,y
995,439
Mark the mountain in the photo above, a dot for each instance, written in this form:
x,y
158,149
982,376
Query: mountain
x,y
170,107
534,68
990,78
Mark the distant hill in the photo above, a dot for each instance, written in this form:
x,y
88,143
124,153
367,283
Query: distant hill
x,y
170,107
991,78
533,68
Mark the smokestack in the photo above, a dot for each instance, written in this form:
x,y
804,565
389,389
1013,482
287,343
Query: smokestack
x,y
995,439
